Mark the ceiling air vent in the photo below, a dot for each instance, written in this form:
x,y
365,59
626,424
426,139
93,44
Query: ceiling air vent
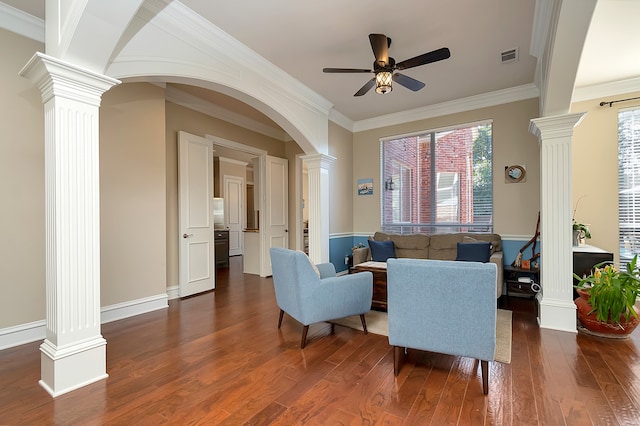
x,y
510,55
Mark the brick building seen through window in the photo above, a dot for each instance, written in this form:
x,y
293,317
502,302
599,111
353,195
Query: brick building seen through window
x,y
439,181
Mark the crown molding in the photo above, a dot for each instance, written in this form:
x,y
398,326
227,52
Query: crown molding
x,y
197,104
541,21
620,87
19,22
340,119
186,24
232,161
498,97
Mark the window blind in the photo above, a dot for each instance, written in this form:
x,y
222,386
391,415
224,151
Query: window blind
x,y
629,184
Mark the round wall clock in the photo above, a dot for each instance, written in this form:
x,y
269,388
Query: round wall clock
x,y
514,174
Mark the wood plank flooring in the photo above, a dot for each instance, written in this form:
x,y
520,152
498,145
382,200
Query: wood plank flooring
x,y
218,358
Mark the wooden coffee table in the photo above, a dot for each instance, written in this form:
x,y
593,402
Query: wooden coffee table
x,y
379,271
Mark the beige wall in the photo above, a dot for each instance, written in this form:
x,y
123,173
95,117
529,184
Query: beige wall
x,y
595,169
230,168
178,119
132,193
515,206
22,253
341,180
132,185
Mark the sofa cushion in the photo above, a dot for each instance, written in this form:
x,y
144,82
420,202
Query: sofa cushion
x,y
474,252
415,246
381,250
468,239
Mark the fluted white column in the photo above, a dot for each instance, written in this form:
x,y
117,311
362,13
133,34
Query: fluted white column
x,y
74,351
319,203
557,310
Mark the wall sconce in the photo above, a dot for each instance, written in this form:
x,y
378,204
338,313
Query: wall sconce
x,y
389,184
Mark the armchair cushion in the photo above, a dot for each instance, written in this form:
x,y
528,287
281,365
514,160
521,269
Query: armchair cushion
x,y
474,252
382,250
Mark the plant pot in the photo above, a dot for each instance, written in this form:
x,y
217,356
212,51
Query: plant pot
x,y
599,328
576,238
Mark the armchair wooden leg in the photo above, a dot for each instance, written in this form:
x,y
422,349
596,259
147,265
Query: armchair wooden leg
x,y
303,343
398,354
364,323
280,320
484,365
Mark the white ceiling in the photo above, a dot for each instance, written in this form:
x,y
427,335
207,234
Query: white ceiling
x,y
303,37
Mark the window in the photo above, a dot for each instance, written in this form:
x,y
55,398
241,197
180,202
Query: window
x,y
438,181
629,184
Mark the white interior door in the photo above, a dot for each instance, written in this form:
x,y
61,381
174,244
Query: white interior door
x,y
276,209
234,195
195,189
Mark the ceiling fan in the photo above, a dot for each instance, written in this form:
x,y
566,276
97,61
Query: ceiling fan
x,y
384,67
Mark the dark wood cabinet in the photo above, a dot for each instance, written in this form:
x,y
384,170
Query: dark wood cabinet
x,y
585,258
379,297
221,240
525,287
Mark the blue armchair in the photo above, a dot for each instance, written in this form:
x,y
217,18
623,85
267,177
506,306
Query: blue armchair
x,y
443,306
311,297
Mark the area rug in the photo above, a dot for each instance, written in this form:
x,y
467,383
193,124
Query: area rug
x,y
377,323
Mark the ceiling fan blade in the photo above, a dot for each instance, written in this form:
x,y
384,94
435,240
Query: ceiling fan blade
x,y
364,89
408,82
344,70
425,58
380,44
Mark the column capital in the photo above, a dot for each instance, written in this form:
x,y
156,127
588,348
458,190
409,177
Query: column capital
x,y
56,78
318,160
557,126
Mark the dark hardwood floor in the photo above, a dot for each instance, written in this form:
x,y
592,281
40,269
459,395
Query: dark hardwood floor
x,y
218,358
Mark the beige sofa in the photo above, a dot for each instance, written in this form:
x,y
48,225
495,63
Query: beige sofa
x,y
437,246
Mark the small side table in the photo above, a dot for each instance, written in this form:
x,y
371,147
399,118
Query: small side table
x,y
515,286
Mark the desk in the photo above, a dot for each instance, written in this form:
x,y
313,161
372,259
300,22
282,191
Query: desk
x,y
379,271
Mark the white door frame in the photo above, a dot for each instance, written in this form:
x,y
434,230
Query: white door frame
x,y
249,150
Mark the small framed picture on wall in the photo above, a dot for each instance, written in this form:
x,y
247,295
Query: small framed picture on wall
x,y
365,186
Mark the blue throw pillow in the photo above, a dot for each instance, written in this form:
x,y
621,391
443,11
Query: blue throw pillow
x,y
382,250
474,252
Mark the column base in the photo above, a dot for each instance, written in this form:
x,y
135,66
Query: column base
x,y
71,367
556,315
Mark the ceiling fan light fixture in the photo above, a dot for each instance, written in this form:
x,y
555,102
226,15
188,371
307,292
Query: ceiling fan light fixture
x,y
383,82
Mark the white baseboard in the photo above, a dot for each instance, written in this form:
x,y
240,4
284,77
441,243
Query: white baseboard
x,y
132,308
173,292
21,334
34,331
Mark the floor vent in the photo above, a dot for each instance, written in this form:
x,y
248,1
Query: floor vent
x,y
510,55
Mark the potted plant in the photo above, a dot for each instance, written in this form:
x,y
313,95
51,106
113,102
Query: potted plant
x,y
580,230
607,299
580,233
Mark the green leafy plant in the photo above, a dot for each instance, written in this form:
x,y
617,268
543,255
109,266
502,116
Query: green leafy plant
x,y
583,230
612,293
